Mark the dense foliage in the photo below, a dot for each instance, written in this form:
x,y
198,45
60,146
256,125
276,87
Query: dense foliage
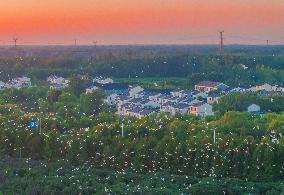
x,y
248,147
240,102
27,176
264,64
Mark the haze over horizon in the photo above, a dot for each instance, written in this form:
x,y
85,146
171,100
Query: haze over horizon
x,y
141,22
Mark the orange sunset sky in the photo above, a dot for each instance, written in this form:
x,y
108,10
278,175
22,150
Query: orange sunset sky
x,y
141,21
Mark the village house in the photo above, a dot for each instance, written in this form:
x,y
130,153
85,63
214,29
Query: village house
x,y
243,66
192,101
134,112
145,113
111,88
208,86
252,89
174,108
211,99
164,99
111,99
154,96
280,88
19,83
57,82
151,104
2,85
102,80
181,108
121,99
253,108
201,109
133,90
123,109
180,93
138,112
266,87
274,87
140,94
270,93
237,89
91,89
114,92
135,101
167,107
199,95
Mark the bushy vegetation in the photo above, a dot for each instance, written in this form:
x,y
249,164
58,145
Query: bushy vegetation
x,y
81,130
25,176
240,102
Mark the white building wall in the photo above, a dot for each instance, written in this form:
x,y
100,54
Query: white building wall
x,y
205,110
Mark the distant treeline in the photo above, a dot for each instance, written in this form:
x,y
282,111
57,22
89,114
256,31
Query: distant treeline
x,y
194,63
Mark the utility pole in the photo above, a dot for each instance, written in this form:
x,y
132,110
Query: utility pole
x,y
214,135
221,40
40,124
267,42
75,41
15,42
122,129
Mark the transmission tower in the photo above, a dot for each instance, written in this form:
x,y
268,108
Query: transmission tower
x,y
221,40
95,43
15,42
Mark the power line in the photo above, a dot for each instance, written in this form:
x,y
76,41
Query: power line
x,y
254,39
187,39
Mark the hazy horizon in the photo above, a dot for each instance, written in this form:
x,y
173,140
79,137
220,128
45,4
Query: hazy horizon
x,y
115,22
133,44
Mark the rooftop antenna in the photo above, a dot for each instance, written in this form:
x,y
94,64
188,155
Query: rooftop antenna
x,y
221,40
15,42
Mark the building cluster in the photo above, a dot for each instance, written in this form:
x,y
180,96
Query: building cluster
x,y
138,102
102,80
56,82
267,89
17,83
